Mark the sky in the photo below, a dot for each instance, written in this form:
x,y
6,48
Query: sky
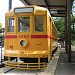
x,y
4,8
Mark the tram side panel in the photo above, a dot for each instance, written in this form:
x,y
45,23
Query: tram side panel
x,y
54,38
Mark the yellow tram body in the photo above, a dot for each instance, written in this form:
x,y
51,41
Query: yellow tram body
x,y
30,34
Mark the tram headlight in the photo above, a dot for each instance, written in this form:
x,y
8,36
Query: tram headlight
x,y
23,43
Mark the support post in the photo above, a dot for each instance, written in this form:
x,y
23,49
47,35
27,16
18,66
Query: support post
x,y
10,5
66,29
69,30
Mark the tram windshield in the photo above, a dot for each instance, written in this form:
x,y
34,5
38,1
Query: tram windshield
x,y
23,24
39,23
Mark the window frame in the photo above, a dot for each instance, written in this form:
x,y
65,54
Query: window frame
x,y
7,23
18,26
45,25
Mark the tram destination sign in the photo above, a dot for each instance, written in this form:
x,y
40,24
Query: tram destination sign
x,y
23,10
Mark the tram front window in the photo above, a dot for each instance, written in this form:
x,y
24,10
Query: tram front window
x,y
39,23
11,23
23,24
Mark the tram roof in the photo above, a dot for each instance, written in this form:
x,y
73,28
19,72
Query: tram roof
x,y
56,7
27,9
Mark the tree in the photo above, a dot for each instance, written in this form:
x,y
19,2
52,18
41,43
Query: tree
x,y
59,23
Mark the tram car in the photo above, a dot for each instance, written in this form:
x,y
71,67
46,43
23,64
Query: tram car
x,y
30,38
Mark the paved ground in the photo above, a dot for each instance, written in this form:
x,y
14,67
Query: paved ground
x,y
63,66
50,69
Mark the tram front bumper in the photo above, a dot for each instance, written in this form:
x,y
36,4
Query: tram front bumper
x,y
26,54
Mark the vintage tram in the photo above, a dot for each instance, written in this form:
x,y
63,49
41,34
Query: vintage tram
x,y
30,37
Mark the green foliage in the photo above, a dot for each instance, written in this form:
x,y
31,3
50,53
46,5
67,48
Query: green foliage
x,y
73,42
59,22
73,29
0,25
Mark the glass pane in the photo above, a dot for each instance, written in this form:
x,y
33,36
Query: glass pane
x,y
39,23
24,24
11,23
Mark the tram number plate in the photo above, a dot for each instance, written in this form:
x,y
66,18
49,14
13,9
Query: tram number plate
x,y
21,36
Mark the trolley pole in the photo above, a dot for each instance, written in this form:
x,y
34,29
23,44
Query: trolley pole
x,y
10,5
69,29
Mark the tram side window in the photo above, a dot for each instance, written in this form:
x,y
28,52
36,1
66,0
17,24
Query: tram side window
x,y
11,23
23,24
39,23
